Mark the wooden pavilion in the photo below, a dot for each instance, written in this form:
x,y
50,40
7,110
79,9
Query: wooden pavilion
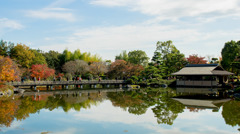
x,y
202,75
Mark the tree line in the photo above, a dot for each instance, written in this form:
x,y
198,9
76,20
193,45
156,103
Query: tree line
x,y
20,61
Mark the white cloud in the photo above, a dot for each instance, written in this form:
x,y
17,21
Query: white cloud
x,y
52,13
111,2
58,3
66,131
197,125
10,24
14,125
175,9
110,41
105,112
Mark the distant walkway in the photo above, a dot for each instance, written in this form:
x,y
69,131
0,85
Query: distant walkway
x,y
66,83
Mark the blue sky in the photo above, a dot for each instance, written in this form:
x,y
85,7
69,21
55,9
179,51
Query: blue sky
x,y
106,27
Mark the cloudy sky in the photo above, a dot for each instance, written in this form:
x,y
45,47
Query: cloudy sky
x,y
106,27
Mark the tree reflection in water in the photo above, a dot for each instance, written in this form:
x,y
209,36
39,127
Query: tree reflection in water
x,y
7,111
165,109
22,107
136,102
231,113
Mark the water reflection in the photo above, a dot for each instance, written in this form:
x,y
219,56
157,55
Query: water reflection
x,y
231,113
162,102
164,108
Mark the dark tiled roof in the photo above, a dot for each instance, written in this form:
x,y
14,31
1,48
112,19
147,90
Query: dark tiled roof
x,y
201,65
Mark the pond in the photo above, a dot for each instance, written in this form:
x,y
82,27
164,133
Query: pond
x,y
116,111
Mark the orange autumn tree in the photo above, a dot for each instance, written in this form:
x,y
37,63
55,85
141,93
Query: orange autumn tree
x,y
42,71
7,111
9,70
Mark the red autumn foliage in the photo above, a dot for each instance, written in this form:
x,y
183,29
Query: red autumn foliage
x,y
194,59
121,68
41,71
60,75
192,109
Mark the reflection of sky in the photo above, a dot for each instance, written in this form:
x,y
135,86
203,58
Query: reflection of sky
x,y
106,119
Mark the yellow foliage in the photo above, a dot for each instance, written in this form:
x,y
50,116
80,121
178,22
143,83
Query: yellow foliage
x,y
23,55
7,69
7,111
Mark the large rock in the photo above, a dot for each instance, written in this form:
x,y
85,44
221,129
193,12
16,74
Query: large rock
x,y
6,93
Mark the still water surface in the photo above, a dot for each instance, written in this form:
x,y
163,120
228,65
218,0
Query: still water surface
x,y
144,111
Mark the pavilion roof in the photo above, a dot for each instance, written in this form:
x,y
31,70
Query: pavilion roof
x,y
202,69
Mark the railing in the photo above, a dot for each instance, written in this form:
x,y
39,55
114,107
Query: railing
x,y
32,83
196,83
197,90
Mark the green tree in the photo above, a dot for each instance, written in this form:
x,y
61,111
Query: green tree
x,y
151,72
90,58
76,55
236,65
138,57
168,58
52,59
156,59
122,56
229,52
39,58
214,61
23,55
5,48
67,55
64,57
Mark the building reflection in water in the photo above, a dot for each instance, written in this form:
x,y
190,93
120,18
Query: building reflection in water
x,y
166,104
